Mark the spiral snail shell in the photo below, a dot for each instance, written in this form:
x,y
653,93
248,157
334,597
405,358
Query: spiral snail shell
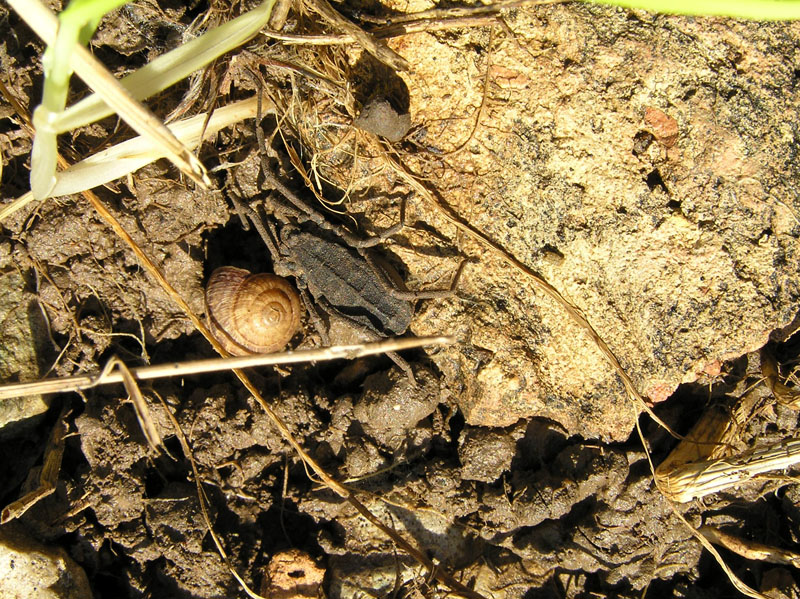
x,y
251,313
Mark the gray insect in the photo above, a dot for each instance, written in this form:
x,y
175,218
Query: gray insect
x,y
338,269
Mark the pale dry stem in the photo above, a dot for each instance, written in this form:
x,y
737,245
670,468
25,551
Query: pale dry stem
x,y
113,373
750,549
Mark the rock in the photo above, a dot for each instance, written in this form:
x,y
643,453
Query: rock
x,y
664,127
293,574
381,118
22,334
29,569
653,189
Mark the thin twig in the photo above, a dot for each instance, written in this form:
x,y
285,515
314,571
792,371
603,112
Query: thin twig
x,y
459,12
113,375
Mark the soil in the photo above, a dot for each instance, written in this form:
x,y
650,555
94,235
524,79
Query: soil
x,y
512,459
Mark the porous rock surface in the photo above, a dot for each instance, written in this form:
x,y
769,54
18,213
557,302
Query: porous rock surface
x,y
30,569
644,165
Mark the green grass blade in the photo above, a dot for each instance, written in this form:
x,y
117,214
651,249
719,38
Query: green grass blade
x,y
173,66
133,154
762,10
79,19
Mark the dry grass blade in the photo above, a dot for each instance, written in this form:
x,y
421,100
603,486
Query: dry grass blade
x,y
704,461
701,465
735,581
709,437
133,154
27,125
41,20
438,19
699,479
783,393
18,204
457,12
48,478
140,405
750,549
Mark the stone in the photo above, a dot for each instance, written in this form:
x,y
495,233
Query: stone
x,y
22,334
653,189
30,569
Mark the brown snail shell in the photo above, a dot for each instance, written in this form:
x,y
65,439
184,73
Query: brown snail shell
x,y
251,313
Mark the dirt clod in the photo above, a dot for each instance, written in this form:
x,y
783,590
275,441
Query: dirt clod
x,y
379,117
485,454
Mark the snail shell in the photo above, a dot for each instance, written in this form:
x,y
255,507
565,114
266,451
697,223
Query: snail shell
x,y
250,313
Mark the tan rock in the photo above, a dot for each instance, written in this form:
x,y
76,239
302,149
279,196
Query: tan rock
x,y
293,574
30,569
681,256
